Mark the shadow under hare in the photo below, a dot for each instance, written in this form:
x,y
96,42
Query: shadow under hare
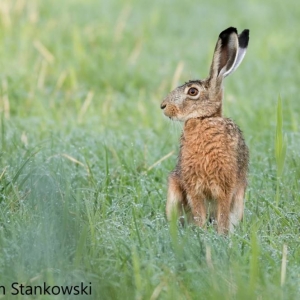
x,y
209,180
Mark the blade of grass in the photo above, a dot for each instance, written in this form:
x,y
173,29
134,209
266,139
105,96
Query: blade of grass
x,y
280,148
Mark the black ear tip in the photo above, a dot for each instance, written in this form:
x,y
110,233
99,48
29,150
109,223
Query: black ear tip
x,y
225,33
244,38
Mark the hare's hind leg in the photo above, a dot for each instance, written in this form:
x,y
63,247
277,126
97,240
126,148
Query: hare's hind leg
x,y
176,199
237,207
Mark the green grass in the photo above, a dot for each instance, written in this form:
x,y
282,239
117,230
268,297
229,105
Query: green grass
x,y
81,196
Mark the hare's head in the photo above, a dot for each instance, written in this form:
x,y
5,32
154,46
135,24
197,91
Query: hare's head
x,y
203,98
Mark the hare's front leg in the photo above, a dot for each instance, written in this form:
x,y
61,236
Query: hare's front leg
x,y
223,213
237,206
196,202
176,199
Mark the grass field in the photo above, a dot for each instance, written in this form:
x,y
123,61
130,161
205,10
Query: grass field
x,y
83,191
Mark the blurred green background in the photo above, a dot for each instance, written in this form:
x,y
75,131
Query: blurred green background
x,y
86,150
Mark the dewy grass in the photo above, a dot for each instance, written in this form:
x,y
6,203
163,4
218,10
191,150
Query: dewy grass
x,y
85,150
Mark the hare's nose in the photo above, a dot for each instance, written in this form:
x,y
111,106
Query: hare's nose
x,y
163,105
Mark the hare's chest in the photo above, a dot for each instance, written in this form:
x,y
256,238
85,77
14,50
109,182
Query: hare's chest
x,y
196,160
200,149
203,161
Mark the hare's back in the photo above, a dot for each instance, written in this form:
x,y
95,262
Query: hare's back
x,y
229,142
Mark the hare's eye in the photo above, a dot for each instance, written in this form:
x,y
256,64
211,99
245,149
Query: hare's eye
x,y
192,91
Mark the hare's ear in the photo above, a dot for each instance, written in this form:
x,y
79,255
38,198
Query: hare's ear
x,y
229,53
243,44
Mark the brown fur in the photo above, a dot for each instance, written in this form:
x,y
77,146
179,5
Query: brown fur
x,y
210,176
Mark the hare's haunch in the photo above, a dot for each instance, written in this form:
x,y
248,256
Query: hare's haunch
x,y
210,177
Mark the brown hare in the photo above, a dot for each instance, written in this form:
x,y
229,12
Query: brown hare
x,y
210,177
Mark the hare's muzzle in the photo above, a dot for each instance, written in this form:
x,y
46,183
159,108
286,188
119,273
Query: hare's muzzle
x,y
170,110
